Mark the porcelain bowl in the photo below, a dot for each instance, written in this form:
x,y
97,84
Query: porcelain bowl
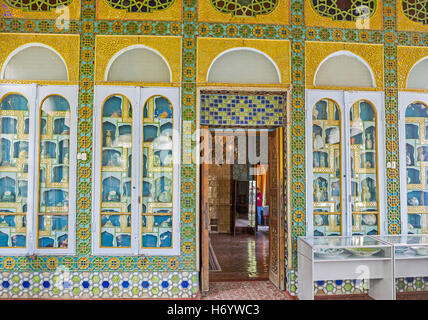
x,y
363,252
328,252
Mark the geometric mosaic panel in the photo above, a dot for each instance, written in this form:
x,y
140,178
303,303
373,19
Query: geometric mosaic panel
x,y
246,8
250,109
37,5
416,10
345,10
63,283
140,5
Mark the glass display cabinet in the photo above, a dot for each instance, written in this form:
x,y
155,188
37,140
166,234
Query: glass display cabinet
x,y
410,254
342,258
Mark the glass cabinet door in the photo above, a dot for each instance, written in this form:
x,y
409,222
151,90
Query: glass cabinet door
x,y
365,163
55,185
327,168
344,167
115,169
414,160
14,153
364,168
116,173
136,202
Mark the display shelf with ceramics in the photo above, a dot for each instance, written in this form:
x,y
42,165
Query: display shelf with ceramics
x,y
410,254
364,186
157,175
14,129
354,257
327,183
54,173
116,172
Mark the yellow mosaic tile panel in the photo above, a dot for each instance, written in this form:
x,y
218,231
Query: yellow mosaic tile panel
x,y
318,51
407,58
65,45
210,48
279,15
108,46
106,12
405,12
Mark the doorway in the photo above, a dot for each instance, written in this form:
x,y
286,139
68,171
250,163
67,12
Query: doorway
x,y
242,207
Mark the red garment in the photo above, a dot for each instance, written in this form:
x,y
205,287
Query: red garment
x,y
259,199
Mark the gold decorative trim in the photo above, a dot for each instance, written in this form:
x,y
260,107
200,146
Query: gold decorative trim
x,y
108,46
404,23
407,58
65,45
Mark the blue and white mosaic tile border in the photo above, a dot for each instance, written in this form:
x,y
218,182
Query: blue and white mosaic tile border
x,y
89,285
335,287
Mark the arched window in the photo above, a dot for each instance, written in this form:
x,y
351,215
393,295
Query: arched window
x,y
157,173
116,156
364,168
416,159
327,168
138,64
34,61
243,65
14,153
344,69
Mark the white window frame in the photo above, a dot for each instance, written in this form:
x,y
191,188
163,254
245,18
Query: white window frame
x,y
35,94
344,100
404,100
137,96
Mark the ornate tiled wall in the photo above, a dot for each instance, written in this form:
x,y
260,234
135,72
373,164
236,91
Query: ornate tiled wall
x,y
241,109
293,24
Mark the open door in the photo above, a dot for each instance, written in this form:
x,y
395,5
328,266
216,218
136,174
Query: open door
x,y
204,218
276,209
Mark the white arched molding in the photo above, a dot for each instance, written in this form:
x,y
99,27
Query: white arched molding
x,y
34,61
243,65
138,63
344,69
418,75
404,100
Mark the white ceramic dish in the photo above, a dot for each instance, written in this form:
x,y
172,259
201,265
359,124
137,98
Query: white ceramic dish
x,y
363,252
421,251
328,252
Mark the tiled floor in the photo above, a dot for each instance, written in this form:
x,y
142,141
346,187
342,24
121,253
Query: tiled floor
x,y
244,290
241,257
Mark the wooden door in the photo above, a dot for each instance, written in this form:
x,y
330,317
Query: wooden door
x,y
276,209
204,216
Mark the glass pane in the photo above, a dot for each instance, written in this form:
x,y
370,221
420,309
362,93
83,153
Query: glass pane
x,y
364,168
116,172
326,168
157,173
13,170
417,167
54,159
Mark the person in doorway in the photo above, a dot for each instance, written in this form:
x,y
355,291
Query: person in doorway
x,y
259,207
